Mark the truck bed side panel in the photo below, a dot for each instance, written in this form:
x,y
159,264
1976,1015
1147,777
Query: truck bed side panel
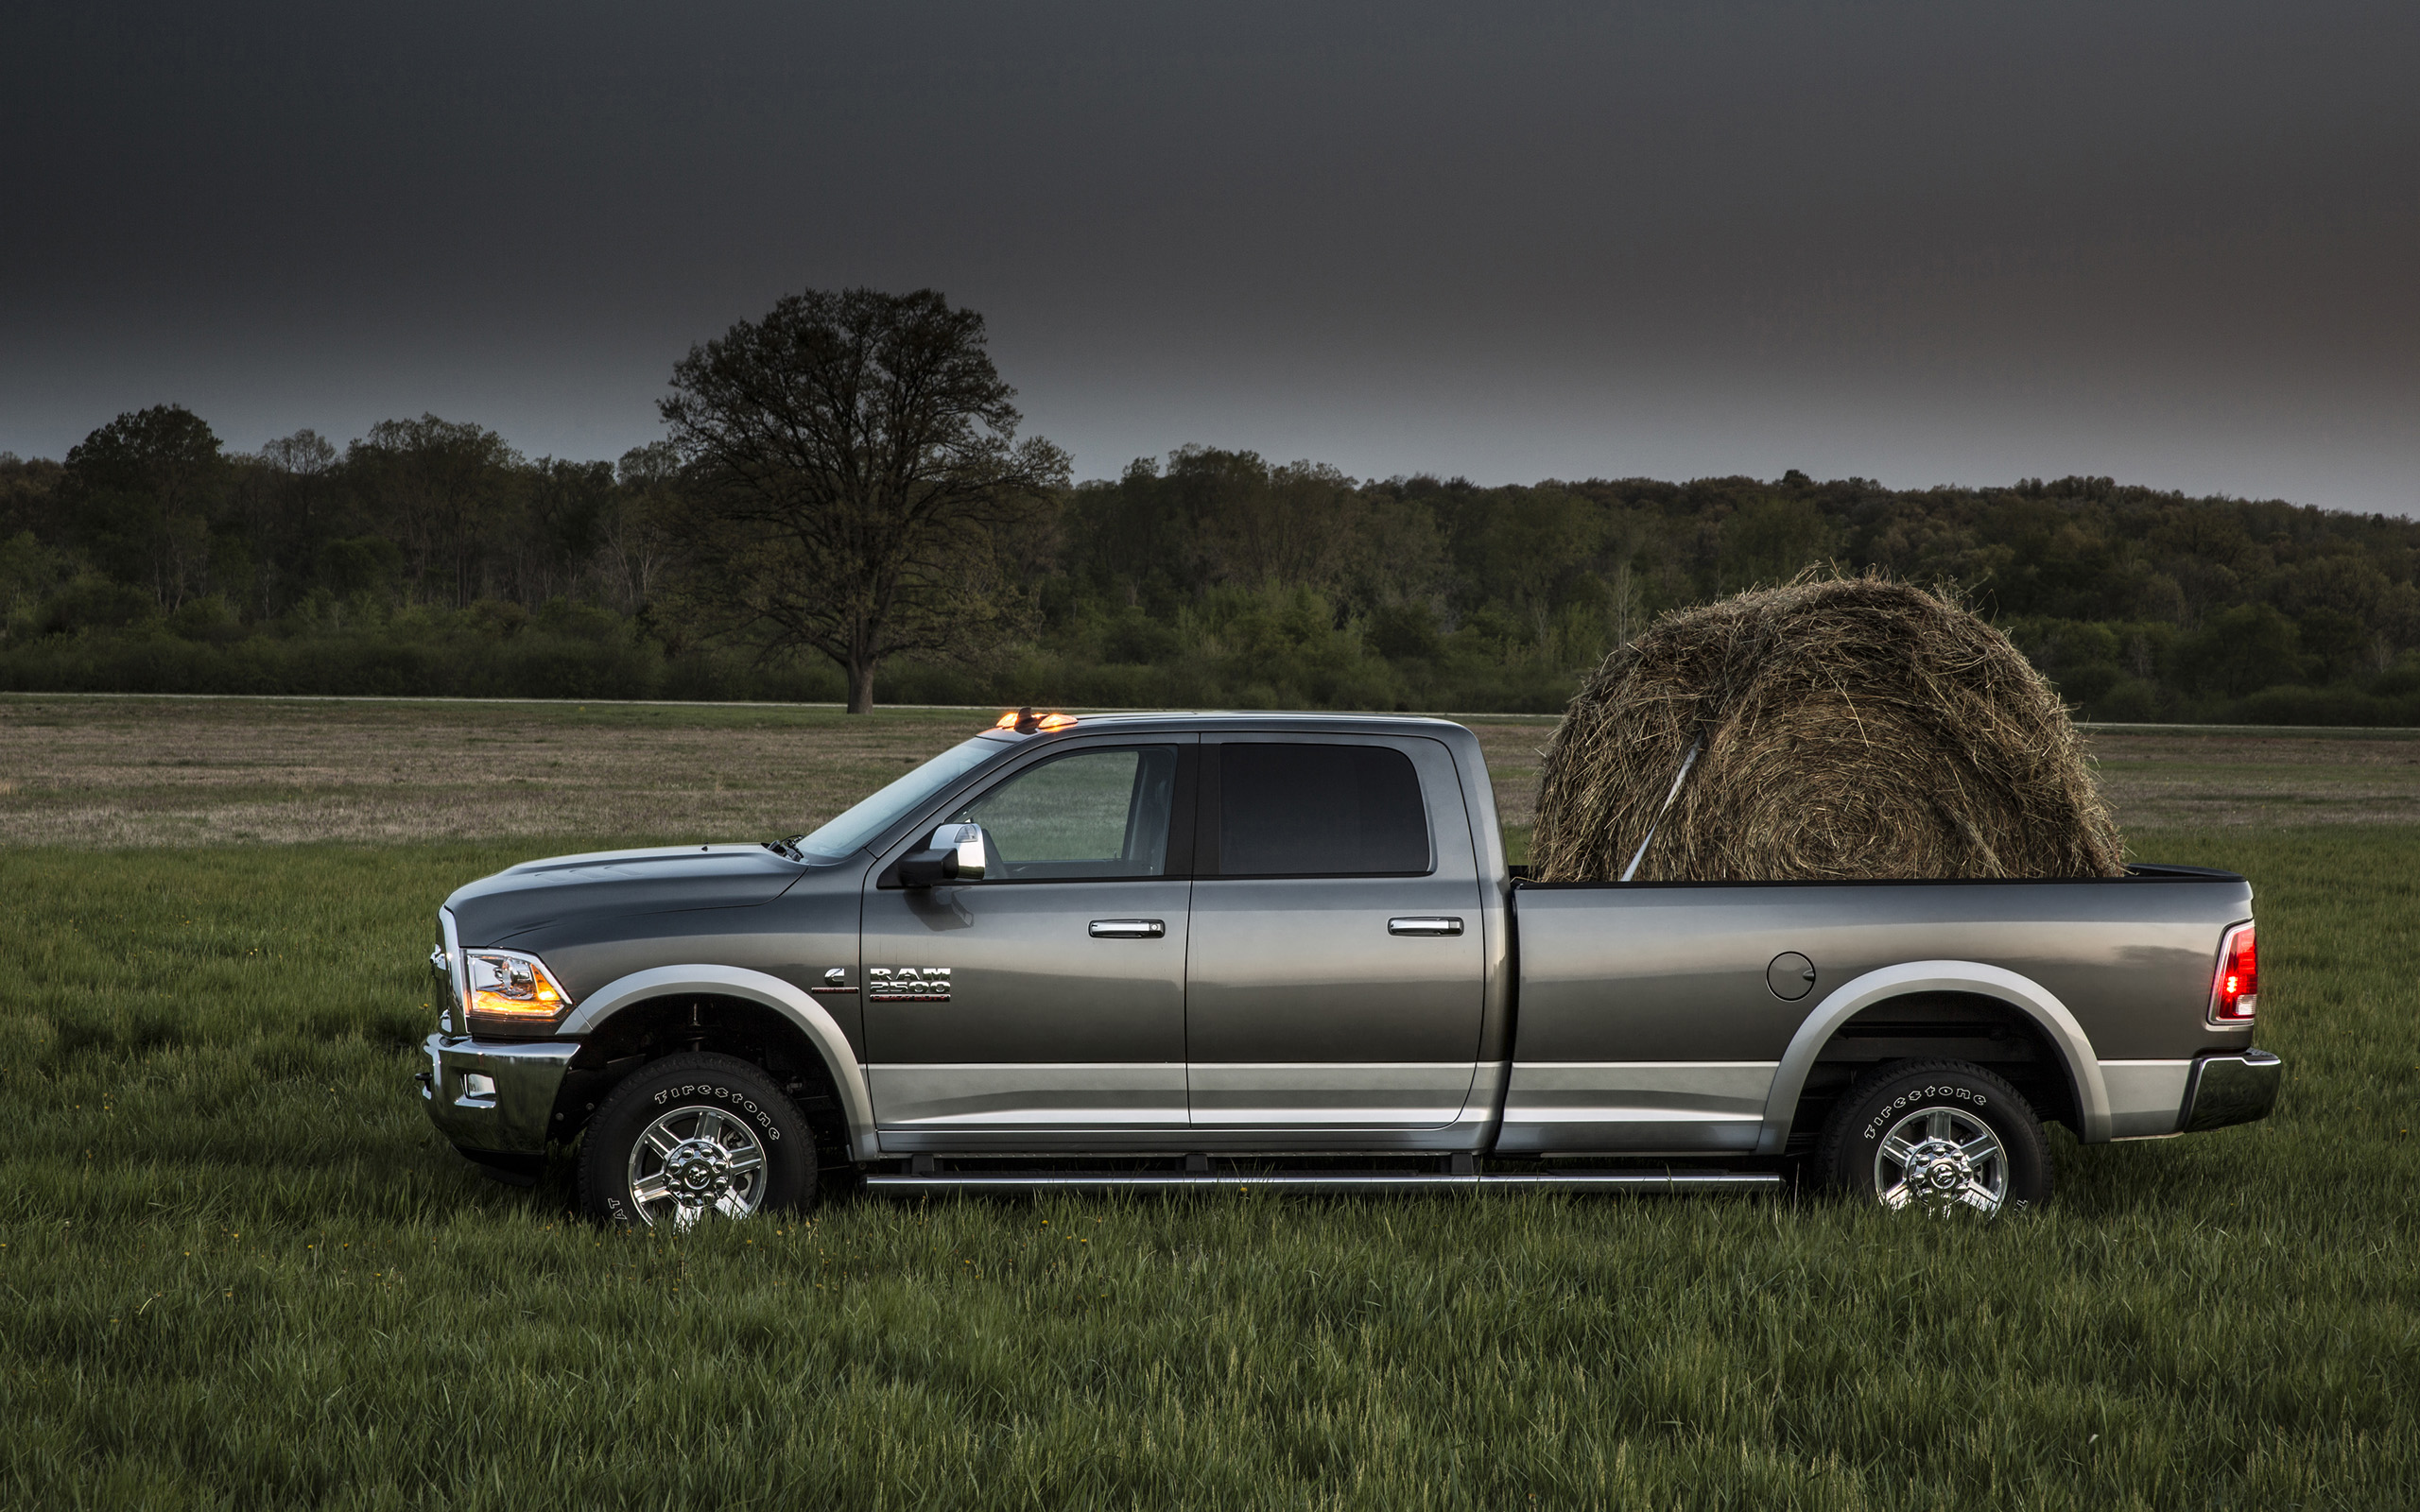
x,y
1646,1020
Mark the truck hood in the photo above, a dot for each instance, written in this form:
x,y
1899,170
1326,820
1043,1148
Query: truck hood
x,y
675,878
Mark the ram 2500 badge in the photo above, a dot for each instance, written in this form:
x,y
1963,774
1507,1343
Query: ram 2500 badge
x,y
1285,950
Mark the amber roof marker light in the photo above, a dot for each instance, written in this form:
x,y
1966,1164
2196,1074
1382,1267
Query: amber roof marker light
x,y
1024,722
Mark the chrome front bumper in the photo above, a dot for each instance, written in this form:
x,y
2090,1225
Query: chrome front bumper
x,y
511,1109
2234,1088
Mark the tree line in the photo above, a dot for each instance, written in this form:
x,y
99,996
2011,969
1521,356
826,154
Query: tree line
x,y
842,509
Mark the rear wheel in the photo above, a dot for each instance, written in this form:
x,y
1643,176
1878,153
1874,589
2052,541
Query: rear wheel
x,y
1937,1137
694,1139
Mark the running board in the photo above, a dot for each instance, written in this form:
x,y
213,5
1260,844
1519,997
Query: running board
x,y
1676,1180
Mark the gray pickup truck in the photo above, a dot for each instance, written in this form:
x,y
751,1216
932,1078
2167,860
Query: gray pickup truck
x,y
1186,950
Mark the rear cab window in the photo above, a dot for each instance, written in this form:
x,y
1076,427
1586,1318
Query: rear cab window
x,y
1300,810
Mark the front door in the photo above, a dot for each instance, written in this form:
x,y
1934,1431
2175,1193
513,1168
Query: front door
x,y
1336,972
1049,996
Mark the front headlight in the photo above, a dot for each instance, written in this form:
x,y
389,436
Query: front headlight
x,y
510,991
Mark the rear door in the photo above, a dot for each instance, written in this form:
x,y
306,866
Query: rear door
x,y
1336,971
1049,996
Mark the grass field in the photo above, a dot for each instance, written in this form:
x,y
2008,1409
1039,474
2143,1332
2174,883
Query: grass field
x,y
239,1270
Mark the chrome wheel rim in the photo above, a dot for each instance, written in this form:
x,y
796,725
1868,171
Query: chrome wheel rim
x,y
693,1163
1940,1161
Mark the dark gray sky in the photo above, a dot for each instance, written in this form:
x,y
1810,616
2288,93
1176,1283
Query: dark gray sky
x,y
1932,242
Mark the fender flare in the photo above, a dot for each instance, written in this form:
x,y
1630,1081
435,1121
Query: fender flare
x,y
1972,977
793,1004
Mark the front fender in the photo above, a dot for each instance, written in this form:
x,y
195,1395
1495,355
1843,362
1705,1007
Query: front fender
x,y
798,1007
1852,997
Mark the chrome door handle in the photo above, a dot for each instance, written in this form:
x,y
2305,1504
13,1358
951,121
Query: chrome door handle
x,y
1128,928
1423,926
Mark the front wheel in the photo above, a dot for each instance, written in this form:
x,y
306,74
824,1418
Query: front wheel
x,y
693,1137
1938,1137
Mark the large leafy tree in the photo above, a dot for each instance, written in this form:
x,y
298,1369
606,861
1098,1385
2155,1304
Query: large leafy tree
x,y
859,487
569,506
450,493
286,505
141,494
641,526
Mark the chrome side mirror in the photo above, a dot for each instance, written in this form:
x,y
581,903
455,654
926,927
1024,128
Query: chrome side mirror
x,y
957,852
972,851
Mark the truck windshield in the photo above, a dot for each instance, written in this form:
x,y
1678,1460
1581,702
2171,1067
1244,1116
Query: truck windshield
x,y
855,828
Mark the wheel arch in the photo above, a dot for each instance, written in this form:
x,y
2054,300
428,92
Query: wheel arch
x,y
810,1028
2037,1003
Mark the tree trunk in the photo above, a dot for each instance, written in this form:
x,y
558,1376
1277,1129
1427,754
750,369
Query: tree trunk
x,y
861,687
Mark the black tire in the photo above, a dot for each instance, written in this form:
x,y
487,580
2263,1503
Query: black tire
x,y
1937,1113
698,1104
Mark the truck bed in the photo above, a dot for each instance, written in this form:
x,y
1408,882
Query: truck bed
x,y
1650,1017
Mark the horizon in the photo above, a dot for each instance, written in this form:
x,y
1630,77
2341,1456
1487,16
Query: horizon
x,y
1366,480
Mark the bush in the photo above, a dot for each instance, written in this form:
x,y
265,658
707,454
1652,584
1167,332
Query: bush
x,y
2127,702
2325,706
91,602
535,665
210,620
1235,648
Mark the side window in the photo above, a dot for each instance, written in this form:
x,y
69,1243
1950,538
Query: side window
x,y
1090,813
1319,810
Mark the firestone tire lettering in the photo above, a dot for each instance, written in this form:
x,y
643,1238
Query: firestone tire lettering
x,y
1873,1129
741,1089
1845,1154
744,1102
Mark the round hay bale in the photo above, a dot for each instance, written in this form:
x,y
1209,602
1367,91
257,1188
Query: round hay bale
x,y
1843,728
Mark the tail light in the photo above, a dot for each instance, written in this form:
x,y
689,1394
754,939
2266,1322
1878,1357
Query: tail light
x,y
2236,995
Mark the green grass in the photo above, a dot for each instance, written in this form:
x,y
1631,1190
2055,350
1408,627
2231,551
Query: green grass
x,y
240,1271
